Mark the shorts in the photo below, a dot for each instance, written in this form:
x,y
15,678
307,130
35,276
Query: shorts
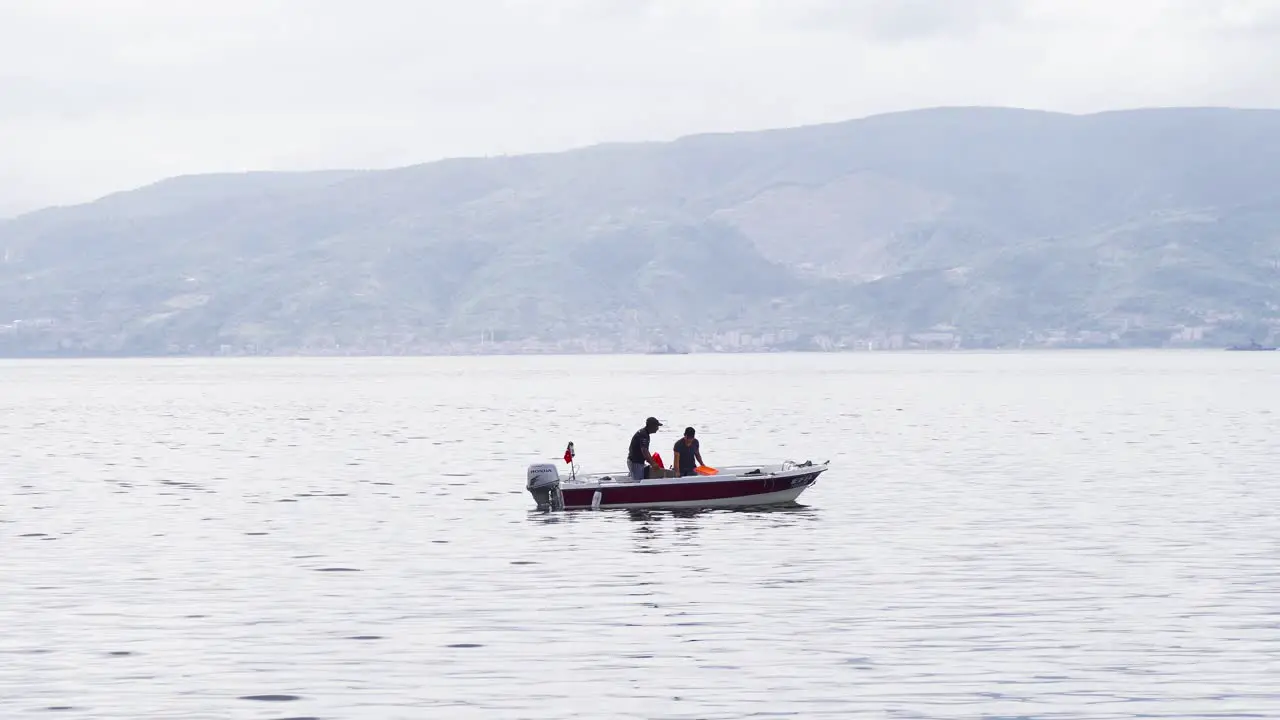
x,y
636,469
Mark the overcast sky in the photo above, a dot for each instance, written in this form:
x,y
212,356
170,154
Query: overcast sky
x,y
103,95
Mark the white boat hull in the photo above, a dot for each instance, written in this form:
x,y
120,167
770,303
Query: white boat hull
x,y
782,497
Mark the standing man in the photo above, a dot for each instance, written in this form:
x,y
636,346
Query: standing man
x,y
687,453
638,454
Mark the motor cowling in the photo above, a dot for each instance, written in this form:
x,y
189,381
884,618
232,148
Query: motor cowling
x,y
543,483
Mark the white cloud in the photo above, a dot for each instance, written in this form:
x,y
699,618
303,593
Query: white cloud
x,y
100,95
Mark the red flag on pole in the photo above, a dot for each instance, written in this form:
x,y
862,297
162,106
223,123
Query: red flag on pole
x,y
568,453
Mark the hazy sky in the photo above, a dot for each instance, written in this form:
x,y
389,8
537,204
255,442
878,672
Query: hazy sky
x,y
103,95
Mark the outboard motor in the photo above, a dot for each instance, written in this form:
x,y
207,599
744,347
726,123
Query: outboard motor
x,y
544,485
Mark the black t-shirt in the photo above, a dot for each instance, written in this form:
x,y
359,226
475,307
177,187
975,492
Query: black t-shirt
x,y
639,449
685,454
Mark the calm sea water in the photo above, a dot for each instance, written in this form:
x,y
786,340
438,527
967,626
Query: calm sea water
x,y
1038,535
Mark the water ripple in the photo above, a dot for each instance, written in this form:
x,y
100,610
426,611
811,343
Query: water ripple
x,y
1076,536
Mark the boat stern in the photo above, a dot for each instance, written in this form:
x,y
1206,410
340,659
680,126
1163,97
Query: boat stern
x,y
543,482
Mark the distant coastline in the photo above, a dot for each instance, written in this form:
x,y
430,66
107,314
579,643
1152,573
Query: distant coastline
x,y
944,229
604,353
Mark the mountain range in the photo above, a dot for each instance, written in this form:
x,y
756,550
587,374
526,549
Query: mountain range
x,y
950,227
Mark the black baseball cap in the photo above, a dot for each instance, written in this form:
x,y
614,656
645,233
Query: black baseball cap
x,y
652,422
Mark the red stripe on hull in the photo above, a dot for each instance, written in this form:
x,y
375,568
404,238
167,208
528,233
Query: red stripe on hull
x,y
683,492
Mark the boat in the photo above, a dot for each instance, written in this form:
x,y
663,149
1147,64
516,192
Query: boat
x,y
728,487
1252,346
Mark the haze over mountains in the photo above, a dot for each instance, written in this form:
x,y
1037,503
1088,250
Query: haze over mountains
x,y
959,227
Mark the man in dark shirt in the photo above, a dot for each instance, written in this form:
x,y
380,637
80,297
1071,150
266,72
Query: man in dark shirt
x,y
638,455
687,453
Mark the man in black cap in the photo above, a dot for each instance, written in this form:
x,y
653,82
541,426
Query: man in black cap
x,y
638,454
